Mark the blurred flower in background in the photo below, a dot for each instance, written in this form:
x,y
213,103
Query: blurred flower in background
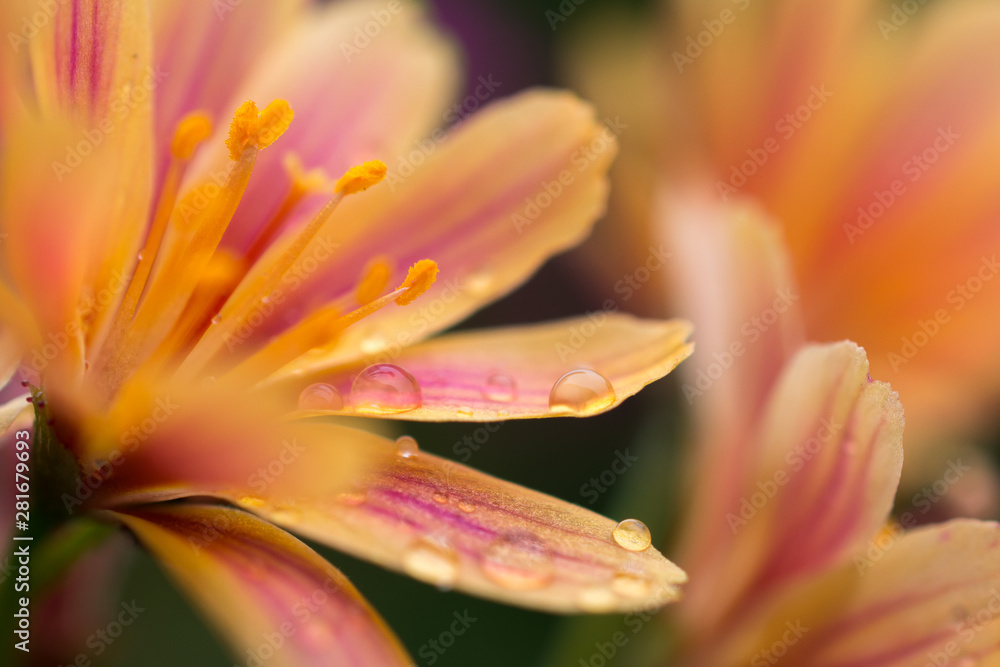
x,y
175,286
868,132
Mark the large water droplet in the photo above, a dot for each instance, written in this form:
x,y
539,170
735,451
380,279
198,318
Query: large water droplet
x,y
500,388
384,389
407,447
581,392
596,600
432,561
519,561
320,396
632,535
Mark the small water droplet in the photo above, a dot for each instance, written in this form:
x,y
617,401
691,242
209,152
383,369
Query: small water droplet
x,y
385,389
519,561
432,561
500,387
216,318
407,447
352,498
631,582
466,506
440,497
140,256
632,535
265,299
581,392
465,412
320,396
373,343
596,600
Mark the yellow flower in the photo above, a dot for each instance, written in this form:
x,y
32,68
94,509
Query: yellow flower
x,y
180,293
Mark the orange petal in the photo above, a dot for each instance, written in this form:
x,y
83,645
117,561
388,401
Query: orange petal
x,y
512,373
273,598
516,183
830,444
451,526
929,597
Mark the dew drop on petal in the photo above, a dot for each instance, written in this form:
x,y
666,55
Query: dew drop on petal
x,y
500,387
320,396
466,506
431,561
596,600
518,561
216,318
407,447
384,389
632,535
581,392
440,497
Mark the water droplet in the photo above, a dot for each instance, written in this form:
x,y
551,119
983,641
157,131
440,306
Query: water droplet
x,y
440,497
265,299
631,582
632,535
216,318
139,256
385,389
519,561
252,501
432,561
320,396
286,515
466,506
352,498
500,387
581,392
465,412
407,447
373,343
596,600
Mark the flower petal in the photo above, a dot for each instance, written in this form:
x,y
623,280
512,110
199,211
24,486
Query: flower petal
x,y
451,526
510,373
264,589
931,596
831,454
487,205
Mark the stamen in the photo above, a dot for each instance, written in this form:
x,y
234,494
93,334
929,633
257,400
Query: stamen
x,y
197,223
191,131
376,278
419,279
322,327
261,284
362,177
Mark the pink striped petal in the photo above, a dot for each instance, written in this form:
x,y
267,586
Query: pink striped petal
x,y
273,598
451,526
830,444
576,367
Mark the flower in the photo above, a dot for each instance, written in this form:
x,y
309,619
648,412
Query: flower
x,y
787,537
867,132
180,297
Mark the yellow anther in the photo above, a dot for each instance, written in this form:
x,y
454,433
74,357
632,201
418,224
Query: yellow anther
x,y
373,284
361,177
191,131
419,279
257,129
